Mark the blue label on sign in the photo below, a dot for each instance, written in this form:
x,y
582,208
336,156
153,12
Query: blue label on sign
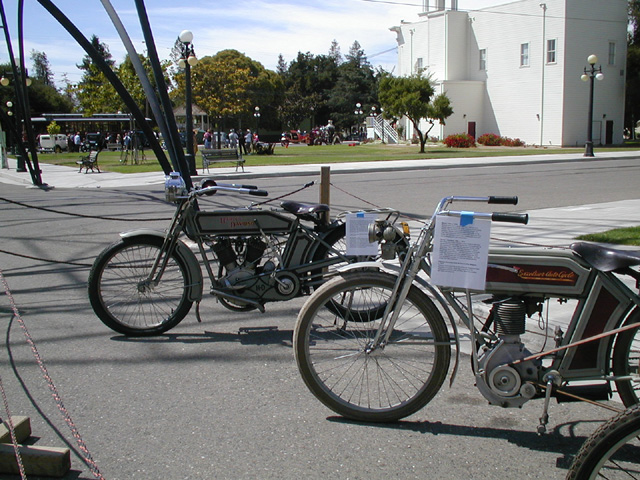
x,y
466,218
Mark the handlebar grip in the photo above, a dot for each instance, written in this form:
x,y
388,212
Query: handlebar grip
x,y
258,193
504,200
510,217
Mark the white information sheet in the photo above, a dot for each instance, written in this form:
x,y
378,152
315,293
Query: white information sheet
x,y
460,252
357,234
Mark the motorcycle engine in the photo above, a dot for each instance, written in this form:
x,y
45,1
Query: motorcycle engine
x,y
500,382
240,257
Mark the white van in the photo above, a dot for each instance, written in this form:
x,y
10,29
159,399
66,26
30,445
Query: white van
x,y
52,143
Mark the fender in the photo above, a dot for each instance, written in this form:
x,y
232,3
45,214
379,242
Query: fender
x,y
394,269
194,273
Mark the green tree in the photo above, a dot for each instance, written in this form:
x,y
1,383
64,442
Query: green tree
x,y
53,128
41,68
356,83
94,92
229,85
632,93
412,97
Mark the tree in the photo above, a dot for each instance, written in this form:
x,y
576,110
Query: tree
x,y
41,69
229,85
412,97
632,93
94,92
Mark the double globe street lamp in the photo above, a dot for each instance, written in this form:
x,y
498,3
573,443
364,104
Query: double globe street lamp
x,y
590,74
187,60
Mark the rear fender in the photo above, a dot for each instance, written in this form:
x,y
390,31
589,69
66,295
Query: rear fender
x,y
194,273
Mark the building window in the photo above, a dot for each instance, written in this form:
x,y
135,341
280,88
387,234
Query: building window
x,y
524,55
551,51
483,59
612,53
418,64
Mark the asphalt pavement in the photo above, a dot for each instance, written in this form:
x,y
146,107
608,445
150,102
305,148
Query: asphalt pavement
x,y
223,398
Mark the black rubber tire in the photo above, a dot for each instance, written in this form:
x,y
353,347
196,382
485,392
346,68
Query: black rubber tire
x,y
612,451
121,301
417,355
626,361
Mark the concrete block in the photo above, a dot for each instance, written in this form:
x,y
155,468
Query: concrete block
x,y
22,427
42,461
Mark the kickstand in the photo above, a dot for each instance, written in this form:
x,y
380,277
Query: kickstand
x,y
198,312
551,378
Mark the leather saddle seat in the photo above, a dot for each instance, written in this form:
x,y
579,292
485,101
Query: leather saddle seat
x,y
604,258
306,211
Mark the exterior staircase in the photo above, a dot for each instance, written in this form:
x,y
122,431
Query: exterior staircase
x,y
383,129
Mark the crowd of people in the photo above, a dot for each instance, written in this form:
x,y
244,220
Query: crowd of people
x,y
246,141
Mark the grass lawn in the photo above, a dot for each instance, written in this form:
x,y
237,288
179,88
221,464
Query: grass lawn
x,y
621,236
372,152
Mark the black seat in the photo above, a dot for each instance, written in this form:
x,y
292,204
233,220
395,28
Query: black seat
x,y
306,211
605,258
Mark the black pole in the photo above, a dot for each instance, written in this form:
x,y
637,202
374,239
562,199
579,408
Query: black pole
x,y
190,156
588,147
178,158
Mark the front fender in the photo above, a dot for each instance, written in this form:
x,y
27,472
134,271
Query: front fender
x,y
194,273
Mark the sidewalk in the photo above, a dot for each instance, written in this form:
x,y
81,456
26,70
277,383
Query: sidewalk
x,y
68,177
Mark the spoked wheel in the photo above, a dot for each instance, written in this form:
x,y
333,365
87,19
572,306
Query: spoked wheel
x,y
341,366
612,451
124,299
626,362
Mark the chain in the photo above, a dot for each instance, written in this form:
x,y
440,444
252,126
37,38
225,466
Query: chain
x,y
87,458
12,431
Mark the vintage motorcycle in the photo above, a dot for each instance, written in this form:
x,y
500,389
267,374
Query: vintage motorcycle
x,y
376,346
146,283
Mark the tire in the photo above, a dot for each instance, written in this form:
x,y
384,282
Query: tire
x,y
120,299
387,384
626,361
612,451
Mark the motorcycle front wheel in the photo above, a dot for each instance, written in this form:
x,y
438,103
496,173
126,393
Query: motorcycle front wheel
x,y
124,299
339,363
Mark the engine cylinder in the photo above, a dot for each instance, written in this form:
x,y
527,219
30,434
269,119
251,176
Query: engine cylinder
x,y
510,317
225,253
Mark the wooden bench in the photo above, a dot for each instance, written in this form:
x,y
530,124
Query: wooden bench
x,y
114,147
89,162
214,155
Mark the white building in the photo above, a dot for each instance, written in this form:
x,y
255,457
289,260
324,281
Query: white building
x,y
514,69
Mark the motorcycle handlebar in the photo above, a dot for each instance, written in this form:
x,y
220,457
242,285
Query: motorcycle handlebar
x,y
503,200
510,217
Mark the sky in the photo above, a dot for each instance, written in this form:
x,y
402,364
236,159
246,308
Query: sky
x,y
260,29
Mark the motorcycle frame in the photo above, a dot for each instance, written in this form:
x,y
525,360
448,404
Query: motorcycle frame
x,y
597,293
300,247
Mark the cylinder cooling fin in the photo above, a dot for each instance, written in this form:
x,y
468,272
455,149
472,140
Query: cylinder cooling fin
x,y
510,317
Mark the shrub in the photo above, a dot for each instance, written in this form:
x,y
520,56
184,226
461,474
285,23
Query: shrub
x,y
490,140
511,142
460,140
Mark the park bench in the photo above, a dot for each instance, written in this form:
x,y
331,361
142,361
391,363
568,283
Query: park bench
x,y
214,155
114,147
89,162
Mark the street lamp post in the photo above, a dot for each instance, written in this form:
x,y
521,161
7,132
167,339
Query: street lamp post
x,y
20,161
187,60
257,117
590,74
357,112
